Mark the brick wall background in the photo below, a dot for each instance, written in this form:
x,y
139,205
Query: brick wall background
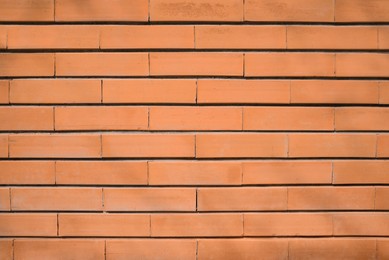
x,y
194,129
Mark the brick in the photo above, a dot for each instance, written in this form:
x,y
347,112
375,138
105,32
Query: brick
x,y
101,118
243,91
332,145
194,173
102,64
57,198
289,64
4,146
240,145
6,249
249,249
362,65
163,249
146,199
354,224
55,91
196,225
361,11
287,172
12,224
291,11
4,92
361,172
53,37
26,64
149,91
332,37
361,118
240,37
330,198
101,172
101,10
334,91
54,146
383,38
241,199
199,10
27,172
148,145
195,118
201,64
26,118
56,249
3,37
288,224
382,249
288,118
344,248
384,93
104,225
383,146
382,198
5,199
147,37
26,10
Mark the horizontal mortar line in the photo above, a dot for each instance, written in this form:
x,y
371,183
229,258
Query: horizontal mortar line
x,y
192,158
168,212
222,105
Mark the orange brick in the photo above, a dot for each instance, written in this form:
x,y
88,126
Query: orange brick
x,y
287,172
332,37
12,224
196,10
26,10
55,91
361,11
195,118
4,92
56,199
361,118
146,199
334,91
241,199
27,172
287,224
104,225
243,91
26,64
26,118
196,64
6,249
163,249
384,93
101,172
343,248
148,145
355,224
53,37
149,91
382,198
362,65
5,199
56,249
194,173
330,198
196,225
288,118
383,146
54,146
250,249
101,10
102,64
240,145
361,172
383,38
3,37
382,249
292,11
289,64
240,37
332,145
147,36
4,146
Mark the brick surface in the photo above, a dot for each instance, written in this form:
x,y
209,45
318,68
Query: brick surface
x,y
26,64
25,224
383,146
361,11
382,198
361,172
27,10
5,199
26,118
362,65
27,172
354,224
359,118
4,92
4,149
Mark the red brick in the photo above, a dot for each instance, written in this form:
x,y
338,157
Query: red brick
x,y
102,64
289,64
196,10
382,198
4,92
361,118
383,38
243,91
146,199
361,11
196,64
26,10
362,65
330,198
4,146
26,118
194,173
361,172
383,146
27,172
384,93
382,249
3,37
101,172
5,199
12,224
361,224
6,249
241,199
101,10
195,118
240,145
57,249
26,64
196,225
287,172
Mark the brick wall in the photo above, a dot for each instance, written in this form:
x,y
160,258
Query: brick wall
x,y
194,129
